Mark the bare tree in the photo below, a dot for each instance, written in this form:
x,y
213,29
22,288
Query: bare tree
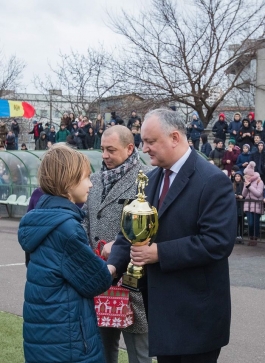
x,y
11,70
83,78
179,53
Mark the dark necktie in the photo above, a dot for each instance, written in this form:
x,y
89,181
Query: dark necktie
x,y
168,172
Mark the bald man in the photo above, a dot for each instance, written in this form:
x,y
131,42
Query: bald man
x,y
113,183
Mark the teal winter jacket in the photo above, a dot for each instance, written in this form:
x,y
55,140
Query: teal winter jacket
x,y
63,276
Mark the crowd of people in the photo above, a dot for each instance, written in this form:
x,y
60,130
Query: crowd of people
x,y
242,160
79,132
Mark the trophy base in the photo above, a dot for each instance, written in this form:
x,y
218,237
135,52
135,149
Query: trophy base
x,y
133,283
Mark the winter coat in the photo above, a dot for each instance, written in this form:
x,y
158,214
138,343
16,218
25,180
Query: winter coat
x,y
37,129
242,159
61,135
261,134
195,132
15,128
41,143
97,143
89,141
10,142
52,137
217,156
238,189
241,140
103,222
79,137
206,149
232,156
3,133
234,126
132,120
259,159
63,277
220,129
254,192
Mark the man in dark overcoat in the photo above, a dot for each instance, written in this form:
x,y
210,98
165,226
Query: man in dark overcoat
x,y
188,289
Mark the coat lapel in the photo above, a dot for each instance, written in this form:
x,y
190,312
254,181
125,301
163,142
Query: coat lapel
x,y
179,183
119,188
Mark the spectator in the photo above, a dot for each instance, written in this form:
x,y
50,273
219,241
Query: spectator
x,y
136,131
220,128
52,135
230,156
15,129
71,121
98,136
99,124
260,130
24,146
238,185
253,206
259,158
47,128
62,134
251,118
234,126
245,134
37,129
206,147
234,169
65,120
195,129
90,139
132,120
10,141
3,133
79,135
216,155
243,158
254,148
41,143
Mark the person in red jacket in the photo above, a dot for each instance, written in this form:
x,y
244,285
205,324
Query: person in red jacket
x,y
230,156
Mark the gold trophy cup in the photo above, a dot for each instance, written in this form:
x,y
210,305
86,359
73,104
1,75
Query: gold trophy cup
x,y
139,225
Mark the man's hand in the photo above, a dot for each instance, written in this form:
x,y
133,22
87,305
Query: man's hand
x,y
106,249
142,255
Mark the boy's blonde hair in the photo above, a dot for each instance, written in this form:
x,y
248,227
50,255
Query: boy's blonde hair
x,y
61,169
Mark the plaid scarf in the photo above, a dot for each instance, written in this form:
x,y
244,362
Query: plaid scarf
x,y
110,176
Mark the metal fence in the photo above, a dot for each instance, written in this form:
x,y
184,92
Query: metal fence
x,y
250,221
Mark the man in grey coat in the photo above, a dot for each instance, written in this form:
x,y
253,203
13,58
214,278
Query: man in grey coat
x,y
113,184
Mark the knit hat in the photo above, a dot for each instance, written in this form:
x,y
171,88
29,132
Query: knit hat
x,y
261,142
249,170
222,115
35,122
232,141
195,113
247,145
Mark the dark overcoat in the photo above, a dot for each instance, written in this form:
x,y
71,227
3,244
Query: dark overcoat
x,y
188,289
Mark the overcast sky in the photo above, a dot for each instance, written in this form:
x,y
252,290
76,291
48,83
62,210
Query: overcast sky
x,y
36,30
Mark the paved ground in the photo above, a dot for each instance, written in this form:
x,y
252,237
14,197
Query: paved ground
x,y
247,270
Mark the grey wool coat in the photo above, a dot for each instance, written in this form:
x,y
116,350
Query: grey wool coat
x,y
102,221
